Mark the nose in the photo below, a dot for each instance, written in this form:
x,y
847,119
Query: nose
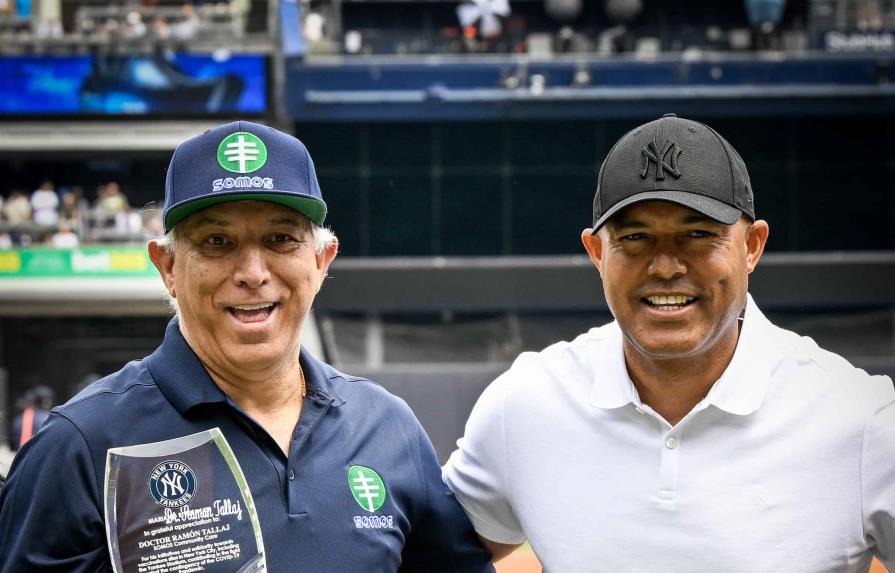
x,y
666,265
251,268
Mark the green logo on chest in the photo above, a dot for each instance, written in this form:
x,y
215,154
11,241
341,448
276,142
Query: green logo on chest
x,y
367,488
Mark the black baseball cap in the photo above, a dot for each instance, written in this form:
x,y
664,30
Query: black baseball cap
x,y
677,160
241,161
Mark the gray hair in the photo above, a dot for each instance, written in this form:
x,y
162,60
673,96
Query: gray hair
x,y
324,238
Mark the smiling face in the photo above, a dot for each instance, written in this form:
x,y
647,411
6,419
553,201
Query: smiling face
x,y
674,279
244,275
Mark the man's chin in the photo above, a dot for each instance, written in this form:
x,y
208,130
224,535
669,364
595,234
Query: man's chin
x,y
254,353
667,348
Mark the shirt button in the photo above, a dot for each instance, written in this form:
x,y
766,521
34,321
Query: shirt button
x,y
291,474
670,443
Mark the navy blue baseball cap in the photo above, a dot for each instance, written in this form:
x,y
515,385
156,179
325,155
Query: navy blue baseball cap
x,y
241,161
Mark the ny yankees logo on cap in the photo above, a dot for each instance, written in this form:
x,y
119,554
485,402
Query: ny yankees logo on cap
x,y
653,153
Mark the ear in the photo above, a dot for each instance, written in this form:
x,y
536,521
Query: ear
x,y
324,259
163,259
593,244
756,238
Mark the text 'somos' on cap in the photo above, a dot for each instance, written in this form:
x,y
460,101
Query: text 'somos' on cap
x,y
678,160
241,161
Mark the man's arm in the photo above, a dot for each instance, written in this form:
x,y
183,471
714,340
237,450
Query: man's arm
x,y
50,516
878,484
499,550
442,538
477,473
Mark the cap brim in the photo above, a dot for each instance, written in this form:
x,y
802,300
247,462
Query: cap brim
x,y
721,212
311,207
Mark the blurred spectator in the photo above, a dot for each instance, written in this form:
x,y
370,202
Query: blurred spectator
x,y
128,224
49,29
45,204
160,28
239,10
70,213
187,25
64,238
17,209
6,241
870,15
35,408
134,26
111,201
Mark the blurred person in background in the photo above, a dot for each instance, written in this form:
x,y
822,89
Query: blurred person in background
x,y
70,212
64,237
342,474
34,409
111,200
17,214
17,209
690,434
187,25
45,204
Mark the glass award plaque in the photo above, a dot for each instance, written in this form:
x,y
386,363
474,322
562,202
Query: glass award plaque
x,y
181,505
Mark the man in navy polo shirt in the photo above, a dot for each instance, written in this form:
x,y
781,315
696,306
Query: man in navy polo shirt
x,y
340,474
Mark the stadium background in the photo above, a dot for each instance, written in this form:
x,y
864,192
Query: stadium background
x,y
459,164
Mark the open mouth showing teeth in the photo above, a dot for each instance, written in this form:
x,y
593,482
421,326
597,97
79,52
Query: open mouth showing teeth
x,y
671,302
252,312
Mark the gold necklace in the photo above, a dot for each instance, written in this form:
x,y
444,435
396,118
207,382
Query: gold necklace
x,y
304,388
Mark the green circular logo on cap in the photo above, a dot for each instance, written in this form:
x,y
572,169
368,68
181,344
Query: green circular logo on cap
x,y
242,152
367,488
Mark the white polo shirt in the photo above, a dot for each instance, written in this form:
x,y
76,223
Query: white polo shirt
x,y
787,465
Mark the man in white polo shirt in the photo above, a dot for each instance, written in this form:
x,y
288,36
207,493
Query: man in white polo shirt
x,y
690,434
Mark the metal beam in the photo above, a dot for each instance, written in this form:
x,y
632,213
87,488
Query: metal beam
x,y
486,284
97,136
563,283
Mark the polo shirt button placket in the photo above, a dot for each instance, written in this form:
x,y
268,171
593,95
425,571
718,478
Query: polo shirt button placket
x,y
668,468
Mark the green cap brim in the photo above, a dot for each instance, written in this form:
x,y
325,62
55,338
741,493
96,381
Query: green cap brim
x,y
313,209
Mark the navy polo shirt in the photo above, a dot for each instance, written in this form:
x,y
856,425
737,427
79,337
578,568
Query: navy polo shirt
x,y
51,511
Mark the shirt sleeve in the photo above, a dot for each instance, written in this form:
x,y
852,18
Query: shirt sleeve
x,y
441,539
50,516
477,471
878,484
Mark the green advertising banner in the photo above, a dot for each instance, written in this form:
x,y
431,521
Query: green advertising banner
x,y
94,261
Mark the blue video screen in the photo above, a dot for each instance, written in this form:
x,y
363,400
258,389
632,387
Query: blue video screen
x,y
154,85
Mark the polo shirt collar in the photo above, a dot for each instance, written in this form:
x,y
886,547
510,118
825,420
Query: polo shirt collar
x,y
179,374
183,380
740,389
317,378
612,386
